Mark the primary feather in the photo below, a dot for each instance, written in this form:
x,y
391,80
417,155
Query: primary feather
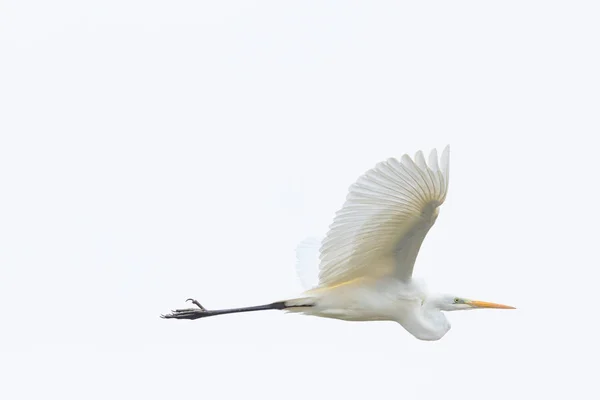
x,y
386,216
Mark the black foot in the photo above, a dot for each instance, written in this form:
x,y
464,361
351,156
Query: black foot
x,y
197,304
189,313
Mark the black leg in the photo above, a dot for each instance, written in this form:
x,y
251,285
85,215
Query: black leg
x,y
201,312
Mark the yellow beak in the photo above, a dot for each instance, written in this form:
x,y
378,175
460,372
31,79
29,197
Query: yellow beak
x,y
485,304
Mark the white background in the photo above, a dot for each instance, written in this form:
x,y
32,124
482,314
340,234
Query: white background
x,y
152,151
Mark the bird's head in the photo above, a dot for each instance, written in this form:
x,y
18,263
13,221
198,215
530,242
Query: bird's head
x,y
453,303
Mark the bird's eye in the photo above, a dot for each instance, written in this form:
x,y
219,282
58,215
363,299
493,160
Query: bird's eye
x,y
456,300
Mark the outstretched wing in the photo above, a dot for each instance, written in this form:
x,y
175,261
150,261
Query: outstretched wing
x,y
386,216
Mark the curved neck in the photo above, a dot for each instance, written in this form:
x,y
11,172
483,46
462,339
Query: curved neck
x,y
434,316
428,323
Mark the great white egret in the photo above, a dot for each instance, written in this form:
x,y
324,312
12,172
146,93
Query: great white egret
x,y
366,259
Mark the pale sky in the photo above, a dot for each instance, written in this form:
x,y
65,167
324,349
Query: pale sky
x,y
152,151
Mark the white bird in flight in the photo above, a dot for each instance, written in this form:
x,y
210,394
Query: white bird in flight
x,y
366,259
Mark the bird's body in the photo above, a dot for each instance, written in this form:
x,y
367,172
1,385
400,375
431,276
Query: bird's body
x,y
366,261
377,299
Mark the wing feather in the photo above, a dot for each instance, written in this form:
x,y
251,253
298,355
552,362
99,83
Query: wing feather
x,y
385,218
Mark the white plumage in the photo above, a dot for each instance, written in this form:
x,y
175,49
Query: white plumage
x,y
385,218
367,258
